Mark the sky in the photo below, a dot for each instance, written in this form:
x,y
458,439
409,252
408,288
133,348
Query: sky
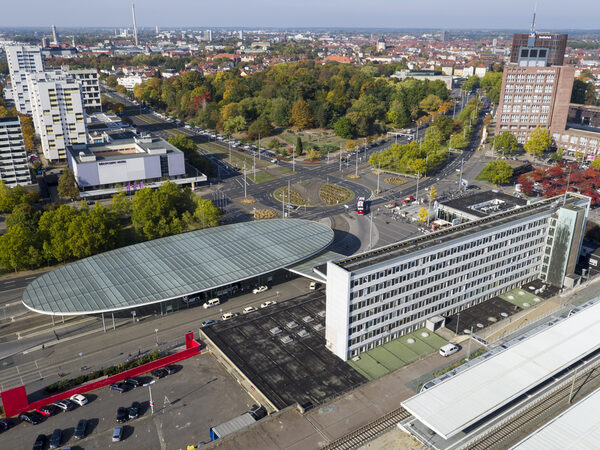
x,y
437,14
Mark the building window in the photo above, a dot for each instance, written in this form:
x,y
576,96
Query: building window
x,y
516,108
518,98
507,98
546,99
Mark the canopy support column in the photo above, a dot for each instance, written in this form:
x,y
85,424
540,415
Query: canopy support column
x,y
113,318
103,323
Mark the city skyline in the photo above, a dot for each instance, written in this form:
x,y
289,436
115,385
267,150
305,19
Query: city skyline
x,y
267,13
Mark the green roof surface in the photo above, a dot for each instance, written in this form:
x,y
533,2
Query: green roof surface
x,y
175,266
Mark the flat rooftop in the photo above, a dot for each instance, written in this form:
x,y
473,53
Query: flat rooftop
x,y
481,315
484,204
174,266
123,147
464,230
452,405
289,364
576,428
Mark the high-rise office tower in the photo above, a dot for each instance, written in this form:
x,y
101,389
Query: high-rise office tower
x,y
22,60
90,86
57,111
538,49
14,169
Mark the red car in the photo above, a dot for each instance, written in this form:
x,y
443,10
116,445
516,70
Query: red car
x,y
47,410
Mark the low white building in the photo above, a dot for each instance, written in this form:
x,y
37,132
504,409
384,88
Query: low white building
x,y
131,81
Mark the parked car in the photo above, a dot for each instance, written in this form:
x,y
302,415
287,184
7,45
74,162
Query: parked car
x,y
159,373
40,442
170,369
258,412
390,205
65,405
226,316
47,410
117,434
80,429
134,410
249,309
212,302
449,349
121,414
4,425
56,438
313,285
119,387
259,289
133,382
207,323
31,417
79,399
268,303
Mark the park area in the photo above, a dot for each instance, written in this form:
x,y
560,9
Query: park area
x,y
398,353
521,298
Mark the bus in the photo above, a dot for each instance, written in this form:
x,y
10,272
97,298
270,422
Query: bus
x,y
360,206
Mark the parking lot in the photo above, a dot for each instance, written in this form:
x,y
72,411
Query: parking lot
x,y
187,403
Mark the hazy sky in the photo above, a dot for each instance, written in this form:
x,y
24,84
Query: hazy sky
x,y
447,14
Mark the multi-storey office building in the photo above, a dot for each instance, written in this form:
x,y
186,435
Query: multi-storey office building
x,y
90,86
382,294
22,60
14,169
544,49
57,111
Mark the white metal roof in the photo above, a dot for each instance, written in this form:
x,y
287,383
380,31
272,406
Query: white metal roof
x,y
576,428
460,401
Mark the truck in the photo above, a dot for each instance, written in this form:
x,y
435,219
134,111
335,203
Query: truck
x,y
256,413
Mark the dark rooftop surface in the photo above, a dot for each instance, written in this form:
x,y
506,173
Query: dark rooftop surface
x,y
299,371
402,248
475,204
486,313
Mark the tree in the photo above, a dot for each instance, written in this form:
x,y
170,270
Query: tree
x,y
20,249
497,172
344,128
67,188
93,231
492,83
206,213
121,204
350,144
299,146
260,127
596,163
423,215
430,103
538,142
471,84
25,216
13,197
505,143
280,112
54,232
313,154
301,115
234,124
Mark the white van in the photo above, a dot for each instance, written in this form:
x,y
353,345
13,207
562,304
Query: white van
x,y
212,302
449,349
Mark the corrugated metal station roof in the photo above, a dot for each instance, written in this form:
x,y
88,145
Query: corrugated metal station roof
x,y
576,428
451,406
175,266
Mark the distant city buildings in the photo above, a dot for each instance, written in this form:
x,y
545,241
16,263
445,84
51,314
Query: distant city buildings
x,y
14,169
380,295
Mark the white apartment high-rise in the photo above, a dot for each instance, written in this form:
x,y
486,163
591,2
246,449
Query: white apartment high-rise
x,y
90,86
58,112
380,295
14,169
22,60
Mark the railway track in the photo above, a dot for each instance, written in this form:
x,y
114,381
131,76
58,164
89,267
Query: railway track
x,y
533,417
369,431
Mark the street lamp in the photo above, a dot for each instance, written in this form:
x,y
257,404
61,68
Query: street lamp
x,y
156,335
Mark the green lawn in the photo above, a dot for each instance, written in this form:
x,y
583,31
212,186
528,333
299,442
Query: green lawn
x,y
397,353
286,171
261,177
237,158
521,298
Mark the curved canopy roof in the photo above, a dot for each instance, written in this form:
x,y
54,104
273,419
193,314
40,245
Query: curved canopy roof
x,y
175,266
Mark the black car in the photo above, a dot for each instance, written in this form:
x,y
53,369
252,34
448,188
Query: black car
x,y
119,387
40,442
65,405
258,412
133,382
56,438
134,410
170,369
80,429
121,415
31,417
4,425
159,373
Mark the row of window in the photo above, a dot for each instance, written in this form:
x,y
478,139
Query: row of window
x,y
527,98
525,118
530,78
529,88
536,109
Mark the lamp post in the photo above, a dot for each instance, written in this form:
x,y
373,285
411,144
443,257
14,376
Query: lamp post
x,y
156,335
